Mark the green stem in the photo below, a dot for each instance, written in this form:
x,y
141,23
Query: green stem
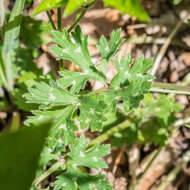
x,y
80,16
59,19
50,20
125,124
53,168
170,88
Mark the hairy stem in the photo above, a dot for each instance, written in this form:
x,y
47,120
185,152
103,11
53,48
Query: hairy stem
x,y
125,124
53,168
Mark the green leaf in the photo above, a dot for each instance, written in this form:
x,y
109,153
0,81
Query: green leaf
x,y
131,7
176,2
34,32
65,181
73,5
90,158
92,109
19,155
158,108
10,38
48,5
133,79
50,94
63,125
89,182
108,50
75,49
2,13
156,116
75,79
17,94
84,181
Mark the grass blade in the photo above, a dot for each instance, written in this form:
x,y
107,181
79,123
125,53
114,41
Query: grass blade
x,y
11,35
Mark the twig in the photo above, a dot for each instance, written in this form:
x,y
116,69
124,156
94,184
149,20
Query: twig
x,y
172,175
164,48
118,159
159,41
81,16
147,167
136,26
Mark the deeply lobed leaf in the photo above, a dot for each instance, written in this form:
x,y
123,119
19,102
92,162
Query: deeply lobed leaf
x,y
90,158
84,181
50,94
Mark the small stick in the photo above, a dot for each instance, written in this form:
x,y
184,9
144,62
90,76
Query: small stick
x,y
172,175
164,48
118,159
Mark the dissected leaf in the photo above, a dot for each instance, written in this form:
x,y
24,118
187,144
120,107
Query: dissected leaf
x,y
84,181
158,108
92,110
108,50
133,79
75,49
90,158
75,79
19,156
63,125
131,7
49,4
50,94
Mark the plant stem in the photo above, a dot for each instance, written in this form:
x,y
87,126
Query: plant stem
x,y
59,19
161,88
53,168
59,27
170,88
125,124
80,16
50,20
